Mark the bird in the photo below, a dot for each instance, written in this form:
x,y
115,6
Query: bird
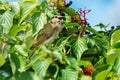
x,y
49,32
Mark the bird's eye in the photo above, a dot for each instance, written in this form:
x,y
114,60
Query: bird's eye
x,y
55,16
60,18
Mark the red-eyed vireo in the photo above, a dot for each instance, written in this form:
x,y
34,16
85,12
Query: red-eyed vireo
x,y
49,32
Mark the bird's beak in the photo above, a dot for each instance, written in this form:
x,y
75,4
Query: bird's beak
x,y
60,17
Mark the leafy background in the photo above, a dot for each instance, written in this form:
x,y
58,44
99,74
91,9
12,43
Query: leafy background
x,y
79,53
111,7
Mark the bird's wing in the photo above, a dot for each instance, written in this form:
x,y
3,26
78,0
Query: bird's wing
x,y
44,35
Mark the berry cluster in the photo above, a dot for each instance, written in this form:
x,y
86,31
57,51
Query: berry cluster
x,y
82,15
87,72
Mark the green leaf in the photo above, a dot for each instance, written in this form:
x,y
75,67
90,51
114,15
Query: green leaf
x,y
22,49
1,5
101,72
72,62
6,51
71,24
30,0
2,60
6,20
41,67
62,42
83,77
90,42
69,74
102,25
1,29
113,53
10,39
72,12
78,47
94,31
61,3
53,70
116,66
35,58
6,5
43,6
17,64
84,63
29,41
45,49
15,29
28,76
117,45
102,75
39,20
26,9
14,7
115,37
57,54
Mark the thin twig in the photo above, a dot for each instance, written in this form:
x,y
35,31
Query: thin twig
x,y
82,14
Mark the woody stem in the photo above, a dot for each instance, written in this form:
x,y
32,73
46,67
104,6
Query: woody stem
x,y
82,29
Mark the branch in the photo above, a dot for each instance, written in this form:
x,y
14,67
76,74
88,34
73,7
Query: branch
x,y
91,55
82,14
82,29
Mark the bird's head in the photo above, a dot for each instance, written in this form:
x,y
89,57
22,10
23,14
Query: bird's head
x,y
57,20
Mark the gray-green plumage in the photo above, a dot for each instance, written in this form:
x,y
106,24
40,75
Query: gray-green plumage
x,y
49,32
